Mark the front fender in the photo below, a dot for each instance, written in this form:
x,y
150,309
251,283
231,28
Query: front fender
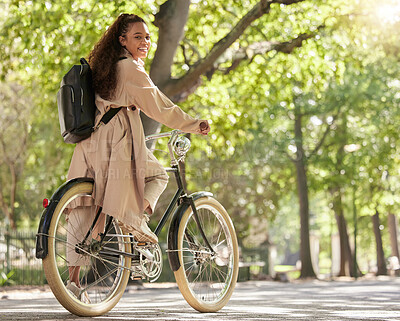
x,y
47,215
173,229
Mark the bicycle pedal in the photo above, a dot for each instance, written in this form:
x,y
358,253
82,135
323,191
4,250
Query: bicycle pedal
x,y
136,277
141,243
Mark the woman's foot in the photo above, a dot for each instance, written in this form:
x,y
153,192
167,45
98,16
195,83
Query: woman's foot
x,y
141,233
76,291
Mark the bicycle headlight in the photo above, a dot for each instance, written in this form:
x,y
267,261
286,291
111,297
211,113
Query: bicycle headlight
x,y
181,146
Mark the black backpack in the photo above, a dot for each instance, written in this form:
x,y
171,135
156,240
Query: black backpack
x,y
76,104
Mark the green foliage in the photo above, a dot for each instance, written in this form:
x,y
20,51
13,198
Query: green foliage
x,y
345,79
6,278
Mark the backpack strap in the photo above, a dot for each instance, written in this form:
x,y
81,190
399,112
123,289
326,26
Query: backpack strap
x,y
83,61
109,115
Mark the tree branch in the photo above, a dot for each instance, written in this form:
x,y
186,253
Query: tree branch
x,y
321,141
287,2
13,190
195,52
186,82
5,209
175,88
6,158
291,158
261,48
171,21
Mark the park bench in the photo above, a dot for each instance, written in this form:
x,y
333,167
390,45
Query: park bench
x,y
248,265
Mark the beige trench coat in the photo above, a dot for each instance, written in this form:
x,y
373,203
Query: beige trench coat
x,y
115,155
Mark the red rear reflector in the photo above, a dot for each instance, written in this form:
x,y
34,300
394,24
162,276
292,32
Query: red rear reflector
x,y
45,203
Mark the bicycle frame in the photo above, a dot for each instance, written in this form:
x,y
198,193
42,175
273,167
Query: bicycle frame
x,y
108,254
181,192
181,198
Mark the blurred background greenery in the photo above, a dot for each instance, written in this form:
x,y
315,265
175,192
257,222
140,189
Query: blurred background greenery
x,y
303,103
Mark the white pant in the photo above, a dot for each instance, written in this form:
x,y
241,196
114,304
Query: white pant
x,y
81,218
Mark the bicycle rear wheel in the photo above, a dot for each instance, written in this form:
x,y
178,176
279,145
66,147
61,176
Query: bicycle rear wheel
x,y
103,273
206,279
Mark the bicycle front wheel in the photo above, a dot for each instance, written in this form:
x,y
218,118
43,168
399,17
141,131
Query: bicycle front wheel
x,y
103,269
205,278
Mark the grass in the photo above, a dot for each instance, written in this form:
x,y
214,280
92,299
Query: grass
x,y
290,270
22,277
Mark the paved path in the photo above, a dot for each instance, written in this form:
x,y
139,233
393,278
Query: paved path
x,y
254,300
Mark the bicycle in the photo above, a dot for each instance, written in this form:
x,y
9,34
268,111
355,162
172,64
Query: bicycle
x,y
202,246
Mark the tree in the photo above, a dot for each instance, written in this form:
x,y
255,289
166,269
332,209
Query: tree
x,y
378,134
14,131
264,70
171,21
381,263
394,239
241,35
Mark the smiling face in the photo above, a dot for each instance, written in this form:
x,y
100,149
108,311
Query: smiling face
x,y
137,40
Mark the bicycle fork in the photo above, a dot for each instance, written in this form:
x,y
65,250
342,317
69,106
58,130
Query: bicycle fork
x,y
196,218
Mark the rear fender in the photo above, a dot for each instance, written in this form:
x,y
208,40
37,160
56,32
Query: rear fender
x,y
47,215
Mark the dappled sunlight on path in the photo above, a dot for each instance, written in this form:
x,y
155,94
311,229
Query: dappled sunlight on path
x,y
255,300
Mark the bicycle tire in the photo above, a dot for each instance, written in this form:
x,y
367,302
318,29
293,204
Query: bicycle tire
x,y
207,282
104,294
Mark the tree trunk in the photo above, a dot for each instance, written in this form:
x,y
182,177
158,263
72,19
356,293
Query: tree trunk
x,y
307,269
346,255
13,193
9,209
345,251
305,252
392,225
380,257
171,21
6,210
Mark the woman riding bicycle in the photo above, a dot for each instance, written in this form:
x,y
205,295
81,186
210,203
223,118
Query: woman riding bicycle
x,y
128,178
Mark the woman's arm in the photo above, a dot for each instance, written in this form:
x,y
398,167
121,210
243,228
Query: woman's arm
x,y
139,90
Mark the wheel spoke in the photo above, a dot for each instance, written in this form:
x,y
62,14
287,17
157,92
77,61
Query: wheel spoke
x,y
101,273
209,276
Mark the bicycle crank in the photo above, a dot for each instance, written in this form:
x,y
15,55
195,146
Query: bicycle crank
x,y
150,262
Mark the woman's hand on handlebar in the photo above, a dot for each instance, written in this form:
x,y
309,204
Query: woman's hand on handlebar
x,y
204,127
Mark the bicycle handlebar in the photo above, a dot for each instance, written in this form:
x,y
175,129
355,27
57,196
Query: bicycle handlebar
x,y
180,149
166,134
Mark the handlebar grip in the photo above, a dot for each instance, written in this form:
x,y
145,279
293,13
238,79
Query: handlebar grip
x,y
203,125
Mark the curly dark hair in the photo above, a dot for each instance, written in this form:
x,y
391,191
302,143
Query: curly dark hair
x,y
106,53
